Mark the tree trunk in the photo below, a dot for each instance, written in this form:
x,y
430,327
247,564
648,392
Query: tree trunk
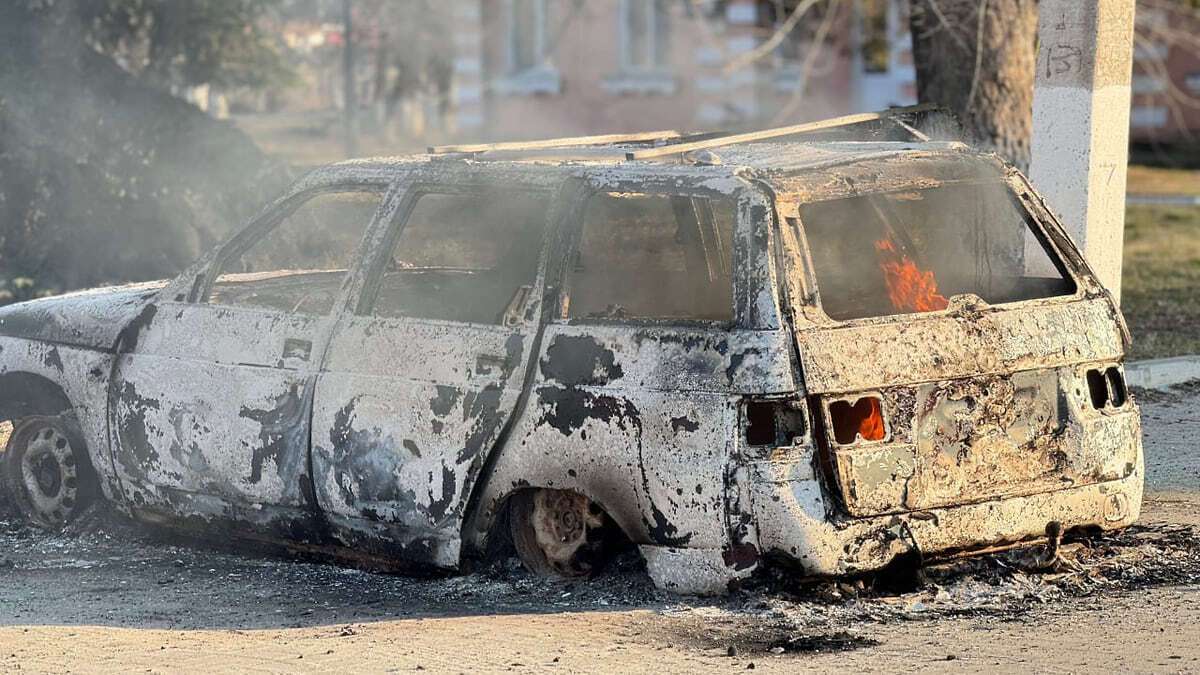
x,y
976,58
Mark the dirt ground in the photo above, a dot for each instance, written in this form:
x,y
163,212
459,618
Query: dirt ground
x,y
106,596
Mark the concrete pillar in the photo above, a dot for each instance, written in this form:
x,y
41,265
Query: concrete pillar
x,y
1081,123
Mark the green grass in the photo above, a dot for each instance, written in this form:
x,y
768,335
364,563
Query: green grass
x,y
1160,283
1161,180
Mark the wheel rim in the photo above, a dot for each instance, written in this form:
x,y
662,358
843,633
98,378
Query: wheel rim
x,y
561,521
49,473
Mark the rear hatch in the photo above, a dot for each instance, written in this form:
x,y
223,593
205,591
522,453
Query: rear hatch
x,y
946,341
993,406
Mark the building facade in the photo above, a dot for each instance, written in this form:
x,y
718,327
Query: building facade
x,y
539,68
1166,73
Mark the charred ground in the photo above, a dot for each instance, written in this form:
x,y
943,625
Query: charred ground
x,y
105,575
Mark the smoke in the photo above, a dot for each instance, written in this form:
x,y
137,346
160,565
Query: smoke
x,y
104,178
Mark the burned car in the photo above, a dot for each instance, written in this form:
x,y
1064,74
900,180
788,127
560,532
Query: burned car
x,y
733,353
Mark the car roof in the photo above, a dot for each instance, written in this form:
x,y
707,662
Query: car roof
x,y
767,161
717,161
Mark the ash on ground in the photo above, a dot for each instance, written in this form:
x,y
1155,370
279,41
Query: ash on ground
x,y
166,581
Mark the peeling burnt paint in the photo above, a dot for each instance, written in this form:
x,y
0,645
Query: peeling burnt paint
x,y
580,360
443,403
568,410
413,419
53,360
135,440
736,361
127,339
679,424
282,430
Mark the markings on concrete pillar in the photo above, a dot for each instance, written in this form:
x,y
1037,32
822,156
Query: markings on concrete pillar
x,y
1063,59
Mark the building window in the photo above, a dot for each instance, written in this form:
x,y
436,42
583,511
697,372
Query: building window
x,y
529,70
1148,116
643,35
1151,51
526,35
643,47
1147,84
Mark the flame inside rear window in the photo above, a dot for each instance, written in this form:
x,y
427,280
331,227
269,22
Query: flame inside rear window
x,y
913,251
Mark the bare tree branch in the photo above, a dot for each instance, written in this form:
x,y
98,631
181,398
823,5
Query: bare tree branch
x,y
806,67
978,54
772,42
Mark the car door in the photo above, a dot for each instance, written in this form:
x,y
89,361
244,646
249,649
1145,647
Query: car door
x,y
421,381
210,402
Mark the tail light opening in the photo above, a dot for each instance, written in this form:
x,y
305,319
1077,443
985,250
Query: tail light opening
x,y
1106,388
861,420
777,422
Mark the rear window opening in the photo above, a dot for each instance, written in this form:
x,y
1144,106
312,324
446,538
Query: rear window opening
x,y
913,251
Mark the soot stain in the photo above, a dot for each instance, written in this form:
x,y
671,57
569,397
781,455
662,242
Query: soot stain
x,y
684,424
135,438
280,428
53,360
567,410
580,361
443,403
127,339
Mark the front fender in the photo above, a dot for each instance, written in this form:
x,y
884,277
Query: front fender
x,y
32,371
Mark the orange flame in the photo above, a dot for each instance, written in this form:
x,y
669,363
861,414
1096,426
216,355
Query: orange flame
x,y
910,288
871,426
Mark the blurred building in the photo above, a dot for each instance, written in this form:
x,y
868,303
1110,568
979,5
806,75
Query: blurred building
x,y
526,68
1166,74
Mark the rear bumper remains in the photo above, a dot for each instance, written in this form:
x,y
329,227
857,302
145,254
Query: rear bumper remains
x,y
793,520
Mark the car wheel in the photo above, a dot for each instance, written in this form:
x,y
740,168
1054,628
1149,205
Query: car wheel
x,y
46,470
559,532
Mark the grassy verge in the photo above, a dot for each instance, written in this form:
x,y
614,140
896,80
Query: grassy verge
x,y
1160,284
1158,180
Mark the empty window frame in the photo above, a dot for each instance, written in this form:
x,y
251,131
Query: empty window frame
x,y
300,263
652,256
467,256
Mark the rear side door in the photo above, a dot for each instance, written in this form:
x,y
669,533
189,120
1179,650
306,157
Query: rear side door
x,y
422,380
211,399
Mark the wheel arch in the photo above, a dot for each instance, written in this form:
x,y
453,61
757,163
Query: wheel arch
x,y
23,393
494,530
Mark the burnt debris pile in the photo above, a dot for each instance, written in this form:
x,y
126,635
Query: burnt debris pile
x,y
1007,584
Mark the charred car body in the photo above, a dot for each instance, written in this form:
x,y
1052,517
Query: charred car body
x,y
823,354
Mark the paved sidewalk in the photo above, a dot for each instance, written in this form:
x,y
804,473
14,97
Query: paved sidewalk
x,y
1171,434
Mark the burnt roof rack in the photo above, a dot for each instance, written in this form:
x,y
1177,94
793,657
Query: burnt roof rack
x,y
668,143
893,115
553,143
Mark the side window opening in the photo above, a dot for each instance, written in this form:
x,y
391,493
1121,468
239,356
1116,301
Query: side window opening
x,y
299,265
468,257
652,256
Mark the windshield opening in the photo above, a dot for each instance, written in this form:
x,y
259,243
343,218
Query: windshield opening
x,y
913,251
